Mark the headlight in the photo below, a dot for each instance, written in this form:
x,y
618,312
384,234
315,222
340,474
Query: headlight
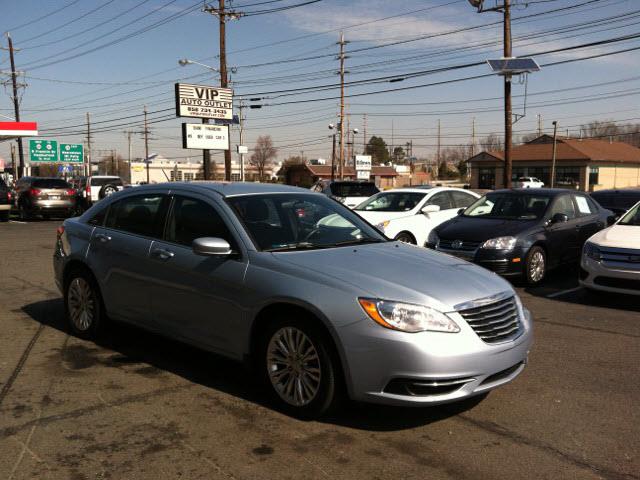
x,y
500,243
433,238
383,225
592,251
407,317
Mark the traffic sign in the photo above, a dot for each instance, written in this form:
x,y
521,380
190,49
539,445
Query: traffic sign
x,y
203,101
71,153
43,150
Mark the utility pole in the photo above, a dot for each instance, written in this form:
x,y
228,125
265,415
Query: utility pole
x,y
146,143
16,102
222,15
473,136
89,157
553,155
437,170
392,140
539,125
241,118
333,158
508,114
129,145
342,58
14,166
349,141
364,134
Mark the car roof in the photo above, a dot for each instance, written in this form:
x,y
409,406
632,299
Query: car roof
x,y
427,190
228,189
609,191
550,192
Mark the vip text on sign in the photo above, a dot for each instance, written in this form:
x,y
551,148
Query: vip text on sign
x,y
204,136
203,101
43,150
71,152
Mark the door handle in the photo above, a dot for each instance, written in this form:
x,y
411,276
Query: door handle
x,y
103,238
163,254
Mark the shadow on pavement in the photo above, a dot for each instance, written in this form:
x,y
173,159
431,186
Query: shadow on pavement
x,y
132,345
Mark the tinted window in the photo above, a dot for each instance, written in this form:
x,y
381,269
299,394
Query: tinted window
x,y
626,200
98,218
50,183
510,206
191,219
442,200
353,189
461,199
99,182
142,215
392,202
584,205
563,204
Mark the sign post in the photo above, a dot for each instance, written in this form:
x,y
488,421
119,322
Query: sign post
x,y
43,151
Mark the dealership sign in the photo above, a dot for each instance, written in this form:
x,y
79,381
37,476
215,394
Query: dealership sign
x,y
363,162
204,101
205,136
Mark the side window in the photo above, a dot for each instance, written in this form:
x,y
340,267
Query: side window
x,y
142,215
191,219
461,199
563,204
98,218
584,209
442,200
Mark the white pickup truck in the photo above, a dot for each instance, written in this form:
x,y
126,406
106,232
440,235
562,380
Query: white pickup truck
x,y
528,182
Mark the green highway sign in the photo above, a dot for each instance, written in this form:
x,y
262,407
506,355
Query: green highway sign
x,y
71,152
43,150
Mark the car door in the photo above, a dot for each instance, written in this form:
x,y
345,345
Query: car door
x,y
589,218
447,210
118,254
563,244
198,297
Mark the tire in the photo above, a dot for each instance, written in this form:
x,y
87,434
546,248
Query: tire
x,y
24,213
535,267
317,379
4,216
405,237
46,216
83,304
107,190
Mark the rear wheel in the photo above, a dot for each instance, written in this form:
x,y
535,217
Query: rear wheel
x,y
107,190
535,266
298,368
83,304
406,237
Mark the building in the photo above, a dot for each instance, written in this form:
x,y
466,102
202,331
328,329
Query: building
x,y
584,164
305,175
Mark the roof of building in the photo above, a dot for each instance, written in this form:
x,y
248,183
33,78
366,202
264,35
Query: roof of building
x,y
568,149
325,170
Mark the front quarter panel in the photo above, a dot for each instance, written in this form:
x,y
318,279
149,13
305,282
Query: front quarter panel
x,y
72,245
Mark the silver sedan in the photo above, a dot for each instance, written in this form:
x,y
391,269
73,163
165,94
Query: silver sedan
x,y
294,282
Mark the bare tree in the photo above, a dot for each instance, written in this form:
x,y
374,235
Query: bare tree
x,y
491,142
263,153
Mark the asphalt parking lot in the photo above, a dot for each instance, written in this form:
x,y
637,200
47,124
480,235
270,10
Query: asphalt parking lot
x,y
140,406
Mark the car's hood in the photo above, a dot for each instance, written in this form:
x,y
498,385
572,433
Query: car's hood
x,y
377,217
481,229
618,236
395,271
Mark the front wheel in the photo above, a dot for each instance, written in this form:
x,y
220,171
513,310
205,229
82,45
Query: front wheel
x,y
535,266
83,304
406,237
298,368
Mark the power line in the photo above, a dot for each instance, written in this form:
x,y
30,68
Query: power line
x,y
42,17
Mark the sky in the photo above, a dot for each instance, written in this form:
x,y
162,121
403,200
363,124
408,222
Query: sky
x,y
410,64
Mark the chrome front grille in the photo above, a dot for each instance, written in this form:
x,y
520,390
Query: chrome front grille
x,y
621,258
494,322
459,245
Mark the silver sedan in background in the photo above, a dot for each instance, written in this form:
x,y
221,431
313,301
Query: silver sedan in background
x,y
296,283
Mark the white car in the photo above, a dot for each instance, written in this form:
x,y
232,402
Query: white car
x,y
528,182
409,214
349,192
611,257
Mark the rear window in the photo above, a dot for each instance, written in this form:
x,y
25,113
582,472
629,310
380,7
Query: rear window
x,y
50,183
355,189
100,182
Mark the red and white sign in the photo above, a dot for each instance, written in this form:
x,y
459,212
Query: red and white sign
x,y
18,129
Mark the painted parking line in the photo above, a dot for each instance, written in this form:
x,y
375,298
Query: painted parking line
x,y
18,221
563,292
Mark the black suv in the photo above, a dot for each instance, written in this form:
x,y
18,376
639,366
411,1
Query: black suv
x,y
5,201
617,200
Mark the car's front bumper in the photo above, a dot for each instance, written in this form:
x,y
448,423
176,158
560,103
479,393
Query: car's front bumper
x,y
5,207
598,276
384,365
502,262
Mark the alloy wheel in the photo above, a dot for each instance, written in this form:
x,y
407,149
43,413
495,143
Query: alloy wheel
x,y
536,266
81,304
293,365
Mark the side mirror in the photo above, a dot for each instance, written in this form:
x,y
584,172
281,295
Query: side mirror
x,y
430,209
559,218
211,246
461,211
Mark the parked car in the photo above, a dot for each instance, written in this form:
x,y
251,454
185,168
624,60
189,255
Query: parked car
x,y
528,182
524,232
349,192
611,257
5,201
256,272
618,201
94,188
45,196
409,214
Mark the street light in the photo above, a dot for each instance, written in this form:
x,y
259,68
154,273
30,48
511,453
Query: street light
x,y
183,62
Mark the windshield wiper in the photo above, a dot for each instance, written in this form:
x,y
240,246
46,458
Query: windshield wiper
x,y
295,246
358,241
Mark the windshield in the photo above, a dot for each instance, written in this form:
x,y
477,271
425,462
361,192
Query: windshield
x,y
392,202
632,217
279,222
353,189
50,183
509,206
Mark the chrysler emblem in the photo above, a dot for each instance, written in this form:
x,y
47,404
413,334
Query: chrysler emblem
x,y
457,244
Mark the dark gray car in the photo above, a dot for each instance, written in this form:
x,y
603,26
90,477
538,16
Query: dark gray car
x,y
311,294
